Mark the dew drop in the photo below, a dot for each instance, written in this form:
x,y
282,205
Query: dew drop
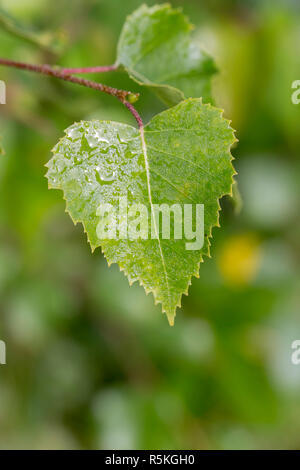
x,y
92,140
108,176
73,133
60,166
105,177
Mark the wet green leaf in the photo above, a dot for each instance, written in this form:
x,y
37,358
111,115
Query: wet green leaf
x,y
181,157
157,50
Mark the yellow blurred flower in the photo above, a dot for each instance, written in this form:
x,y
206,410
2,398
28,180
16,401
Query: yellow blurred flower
x,y
239,259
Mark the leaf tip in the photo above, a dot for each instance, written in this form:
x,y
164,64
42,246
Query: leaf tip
x,y
171,319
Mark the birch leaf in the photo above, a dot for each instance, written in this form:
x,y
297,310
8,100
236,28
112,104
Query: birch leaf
x,y
157,50
181,157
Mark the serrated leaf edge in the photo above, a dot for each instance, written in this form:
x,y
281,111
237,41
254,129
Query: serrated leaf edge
x,y
171,317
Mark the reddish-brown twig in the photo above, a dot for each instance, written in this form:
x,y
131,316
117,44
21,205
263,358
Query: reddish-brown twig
x,y
64,74
99,69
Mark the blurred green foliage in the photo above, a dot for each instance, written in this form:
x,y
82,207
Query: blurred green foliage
x,y
91,363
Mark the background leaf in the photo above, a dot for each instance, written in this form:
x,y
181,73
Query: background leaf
x,y
157,50
183,157
50,43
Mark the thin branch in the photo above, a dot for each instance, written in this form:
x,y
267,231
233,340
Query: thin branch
x,y
126,97
100,69
122,95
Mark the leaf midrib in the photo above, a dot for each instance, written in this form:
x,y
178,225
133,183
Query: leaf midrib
x,y
144,148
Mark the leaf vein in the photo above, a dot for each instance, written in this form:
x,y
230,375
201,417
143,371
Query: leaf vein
x,y
152,210
173,185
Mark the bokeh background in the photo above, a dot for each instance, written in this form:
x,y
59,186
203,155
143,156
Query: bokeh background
x,y
91,363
